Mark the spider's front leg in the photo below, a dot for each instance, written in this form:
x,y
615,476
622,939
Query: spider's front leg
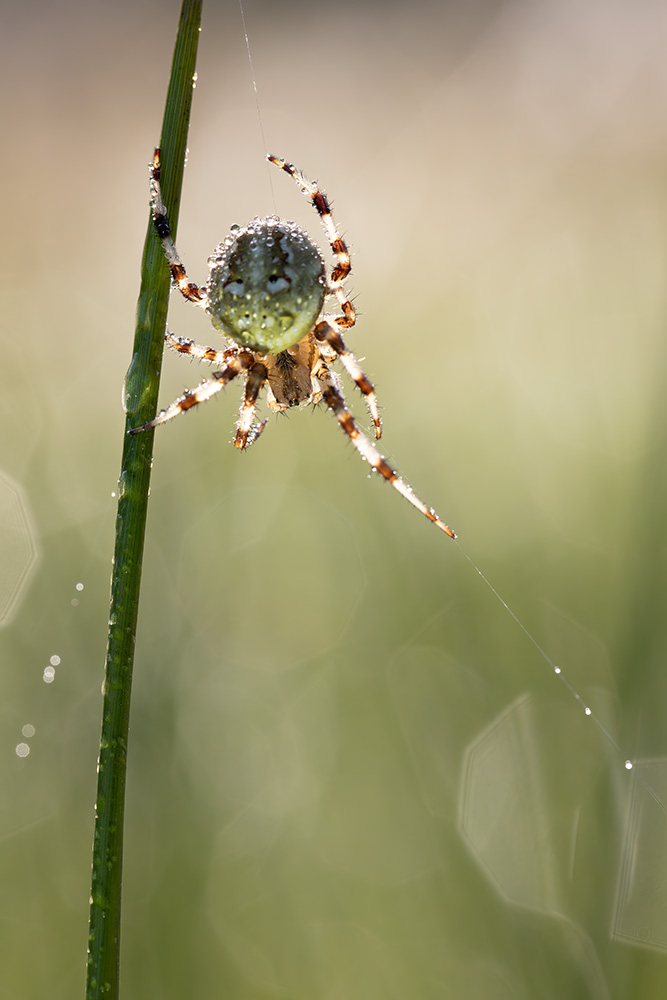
x,y
320,203
240,363
327,333
161,223
335,401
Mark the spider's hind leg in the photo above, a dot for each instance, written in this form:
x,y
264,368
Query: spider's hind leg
x,y
163,230
335,401
326,332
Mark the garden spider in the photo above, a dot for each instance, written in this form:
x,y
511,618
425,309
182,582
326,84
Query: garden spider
x,y
265,292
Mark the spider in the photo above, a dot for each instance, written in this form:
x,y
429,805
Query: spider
x,y
266,291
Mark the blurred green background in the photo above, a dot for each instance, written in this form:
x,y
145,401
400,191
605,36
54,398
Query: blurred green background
x,y
351,774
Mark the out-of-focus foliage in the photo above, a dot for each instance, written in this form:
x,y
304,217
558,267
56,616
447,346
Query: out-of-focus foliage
x,y
351,775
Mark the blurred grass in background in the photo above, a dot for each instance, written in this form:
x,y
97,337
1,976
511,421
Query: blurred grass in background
x,y
382,792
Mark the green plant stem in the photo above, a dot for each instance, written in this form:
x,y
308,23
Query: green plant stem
x,y
140,397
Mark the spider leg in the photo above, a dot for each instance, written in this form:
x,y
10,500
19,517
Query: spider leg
x,y
161,223
326,332
246,432
185,346
335,401
242,362
336,241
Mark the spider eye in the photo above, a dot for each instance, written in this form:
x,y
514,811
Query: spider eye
x,y
277,283
235,287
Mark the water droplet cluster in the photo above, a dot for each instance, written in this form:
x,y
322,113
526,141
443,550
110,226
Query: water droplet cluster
x,y
266,286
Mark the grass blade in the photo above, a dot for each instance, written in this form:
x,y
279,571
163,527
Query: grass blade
x,y
140,399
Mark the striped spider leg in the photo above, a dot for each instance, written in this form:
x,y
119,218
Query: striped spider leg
x,y
266,291
162,228
335,400
236,362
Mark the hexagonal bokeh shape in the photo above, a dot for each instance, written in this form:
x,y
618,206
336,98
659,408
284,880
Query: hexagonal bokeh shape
x,y
18,547
519,835
501,811
640,914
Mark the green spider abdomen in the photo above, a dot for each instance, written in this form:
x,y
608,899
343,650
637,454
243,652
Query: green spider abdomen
x,y
266,286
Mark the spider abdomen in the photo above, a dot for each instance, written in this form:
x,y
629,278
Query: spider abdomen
x,y
266,286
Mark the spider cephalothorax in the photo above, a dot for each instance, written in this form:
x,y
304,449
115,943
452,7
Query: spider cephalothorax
x,y
266,293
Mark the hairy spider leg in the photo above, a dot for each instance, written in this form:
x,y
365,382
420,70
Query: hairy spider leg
x,y
246,432
335,401
241,362
161,223
325,331
194,350
336,242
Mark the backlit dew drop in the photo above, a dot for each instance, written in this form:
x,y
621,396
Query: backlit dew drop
x,y
79,586
28,730
587,710
556,670
54,660
628,765
49,675
22,749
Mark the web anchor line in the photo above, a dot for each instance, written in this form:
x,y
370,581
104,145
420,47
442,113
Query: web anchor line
x,y
257,105
627,762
